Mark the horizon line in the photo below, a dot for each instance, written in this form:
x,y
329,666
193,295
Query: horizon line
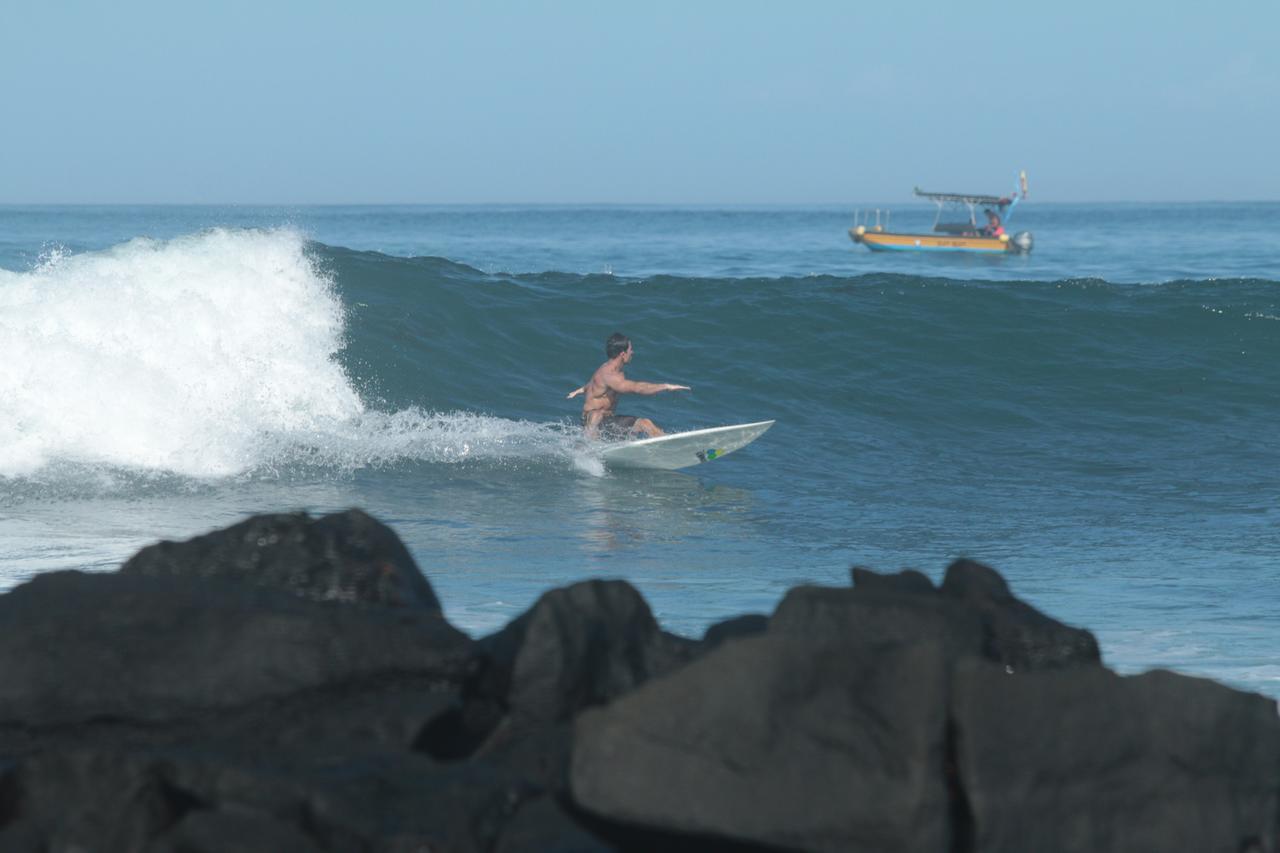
x,y
651,204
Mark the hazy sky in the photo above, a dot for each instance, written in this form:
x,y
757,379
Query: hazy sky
x,y
648,102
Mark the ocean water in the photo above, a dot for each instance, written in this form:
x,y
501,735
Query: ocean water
x,y
1097,420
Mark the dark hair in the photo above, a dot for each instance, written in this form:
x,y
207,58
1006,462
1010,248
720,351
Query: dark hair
x,y
616,345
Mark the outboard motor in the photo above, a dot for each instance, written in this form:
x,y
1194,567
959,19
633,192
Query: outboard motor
x,y
1023,241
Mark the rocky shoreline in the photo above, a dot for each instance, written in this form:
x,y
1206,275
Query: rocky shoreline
x,y
291,684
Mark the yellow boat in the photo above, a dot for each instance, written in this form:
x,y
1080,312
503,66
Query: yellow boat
x,y
958,234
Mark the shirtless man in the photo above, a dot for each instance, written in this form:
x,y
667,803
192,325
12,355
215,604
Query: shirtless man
x,y
602,390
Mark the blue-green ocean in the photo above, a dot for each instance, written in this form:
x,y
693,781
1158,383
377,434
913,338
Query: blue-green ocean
x,y
1097,420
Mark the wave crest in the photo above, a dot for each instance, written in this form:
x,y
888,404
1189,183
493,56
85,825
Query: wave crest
x,y
174,356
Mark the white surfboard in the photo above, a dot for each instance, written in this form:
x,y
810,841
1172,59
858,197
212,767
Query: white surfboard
x,y
682,449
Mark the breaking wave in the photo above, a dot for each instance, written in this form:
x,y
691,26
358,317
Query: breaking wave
x,y
206,356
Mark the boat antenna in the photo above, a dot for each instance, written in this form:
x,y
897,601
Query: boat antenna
x,y
1022,180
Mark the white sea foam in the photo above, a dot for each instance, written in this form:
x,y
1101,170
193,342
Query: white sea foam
x,y
205,356
374,439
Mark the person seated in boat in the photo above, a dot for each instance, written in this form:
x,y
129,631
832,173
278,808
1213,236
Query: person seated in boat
x,y
599,411
993,227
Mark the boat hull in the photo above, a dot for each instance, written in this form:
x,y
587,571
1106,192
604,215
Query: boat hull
x,y
887,241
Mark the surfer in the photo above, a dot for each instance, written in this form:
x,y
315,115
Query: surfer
x,y
599,410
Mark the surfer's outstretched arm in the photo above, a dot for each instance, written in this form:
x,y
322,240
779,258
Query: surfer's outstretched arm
x,y
573,394
626,386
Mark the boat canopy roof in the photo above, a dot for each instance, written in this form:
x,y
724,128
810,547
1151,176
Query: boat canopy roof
x,y
965,198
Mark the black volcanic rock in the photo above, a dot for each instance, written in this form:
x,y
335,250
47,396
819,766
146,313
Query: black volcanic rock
x,y
815,741
579,646
347,556
1017,635
542,825
385,713
238,829
1084,759
106,800
87,799
879,617
747,625
78,647
291,685
907,582
1011,632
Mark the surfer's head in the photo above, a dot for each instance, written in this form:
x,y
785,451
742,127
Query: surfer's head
x,y
617,344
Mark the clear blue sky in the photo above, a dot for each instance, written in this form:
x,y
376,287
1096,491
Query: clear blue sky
x,y
652,102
